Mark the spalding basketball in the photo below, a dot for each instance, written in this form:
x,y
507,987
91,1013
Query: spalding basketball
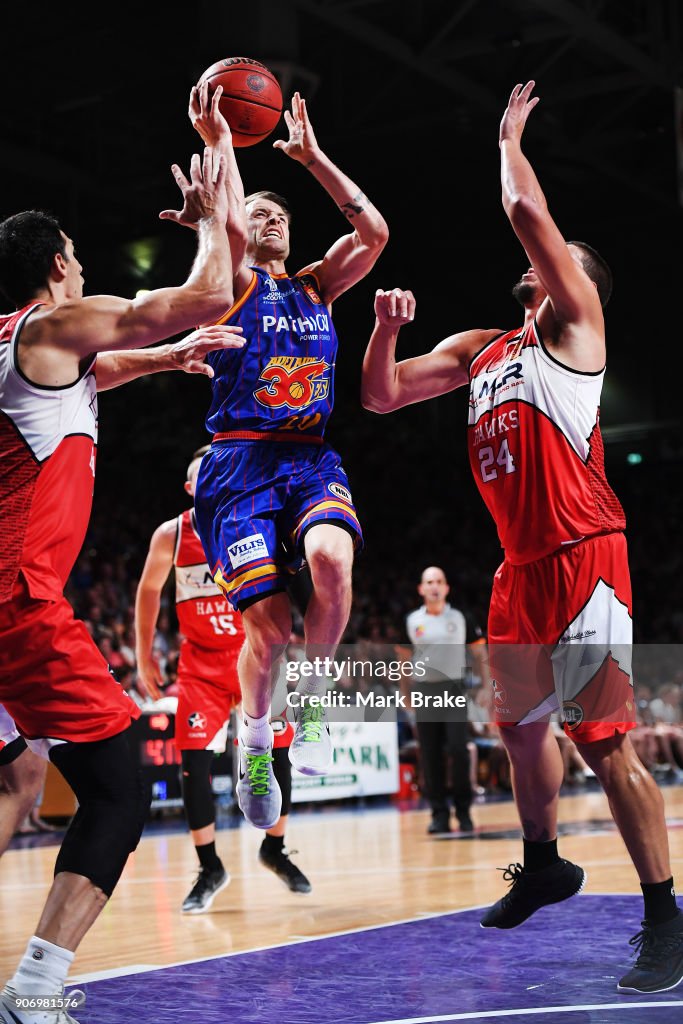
x,y
252,99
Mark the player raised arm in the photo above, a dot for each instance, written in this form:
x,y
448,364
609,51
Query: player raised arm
x,y
79,326
158,565
352,256
387,385
573,300
207,120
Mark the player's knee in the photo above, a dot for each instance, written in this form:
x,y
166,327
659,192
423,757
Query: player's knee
x,y
30,785
197,792
615,763
331,561
23,778
523,742
101,837
112,809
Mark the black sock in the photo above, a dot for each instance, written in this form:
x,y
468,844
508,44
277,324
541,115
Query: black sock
x,y
540,855
208,858
660,901
273,844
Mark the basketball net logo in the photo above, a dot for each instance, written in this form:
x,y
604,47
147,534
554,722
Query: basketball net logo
x,y
294,382
573,714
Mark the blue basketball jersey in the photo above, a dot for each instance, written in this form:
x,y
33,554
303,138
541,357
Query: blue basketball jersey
x,y
283,377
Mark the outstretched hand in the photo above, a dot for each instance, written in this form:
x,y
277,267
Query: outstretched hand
x,y
301,144
517,111
394,308
188,354
206,117
204,195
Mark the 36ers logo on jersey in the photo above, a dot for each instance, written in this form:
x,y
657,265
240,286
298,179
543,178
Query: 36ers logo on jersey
x,y
292,381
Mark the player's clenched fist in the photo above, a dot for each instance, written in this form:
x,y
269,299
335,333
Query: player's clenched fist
x,y
395,307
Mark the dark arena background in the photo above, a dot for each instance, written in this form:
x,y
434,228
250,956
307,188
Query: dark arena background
x,y
406,97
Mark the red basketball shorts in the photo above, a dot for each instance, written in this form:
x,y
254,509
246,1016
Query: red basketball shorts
x,y
208,690
54,682
560,635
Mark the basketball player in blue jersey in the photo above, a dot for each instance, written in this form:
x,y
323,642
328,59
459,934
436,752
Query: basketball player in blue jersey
x,y
270,491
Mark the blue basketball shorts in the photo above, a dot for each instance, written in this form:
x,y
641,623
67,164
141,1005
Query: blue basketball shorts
x,y
255,501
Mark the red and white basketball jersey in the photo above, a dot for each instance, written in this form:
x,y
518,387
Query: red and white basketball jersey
x,y
204,614
536,449
48,438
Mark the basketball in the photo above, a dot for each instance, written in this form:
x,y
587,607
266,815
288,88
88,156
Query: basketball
x,y
252,99
296,389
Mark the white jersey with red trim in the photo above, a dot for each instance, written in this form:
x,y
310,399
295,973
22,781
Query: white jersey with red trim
x,y
204,614
536,449
48,438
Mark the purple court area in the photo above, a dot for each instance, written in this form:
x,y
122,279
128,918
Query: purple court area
x,y
560,967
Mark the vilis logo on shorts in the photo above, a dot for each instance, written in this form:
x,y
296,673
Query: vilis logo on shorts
x,y
292,381
339,492
196,720
573,714
247,550
499,694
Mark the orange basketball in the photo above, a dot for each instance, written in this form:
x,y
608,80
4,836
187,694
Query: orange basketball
x,y
296,389
252,99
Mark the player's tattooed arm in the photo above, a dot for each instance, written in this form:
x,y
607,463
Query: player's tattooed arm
x,y
351,257
353,207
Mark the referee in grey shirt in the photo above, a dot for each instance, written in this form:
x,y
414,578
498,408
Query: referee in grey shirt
x,y
440,635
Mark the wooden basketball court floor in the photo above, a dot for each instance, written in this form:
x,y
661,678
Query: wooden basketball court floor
x,y
389,935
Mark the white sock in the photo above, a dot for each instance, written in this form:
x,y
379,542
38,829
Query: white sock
x,y
315,684
43,969
257,732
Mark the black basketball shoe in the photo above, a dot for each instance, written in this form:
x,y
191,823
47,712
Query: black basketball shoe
x,y
279,863
204,891
531,890
659,966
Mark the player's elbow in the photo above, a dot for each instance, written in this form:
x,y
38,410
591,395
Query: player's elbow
x,y
376,403
380,234
523,210
373,237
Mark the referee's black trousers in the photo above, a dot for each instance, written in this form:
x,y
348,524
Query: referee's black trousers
x,y
443,745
